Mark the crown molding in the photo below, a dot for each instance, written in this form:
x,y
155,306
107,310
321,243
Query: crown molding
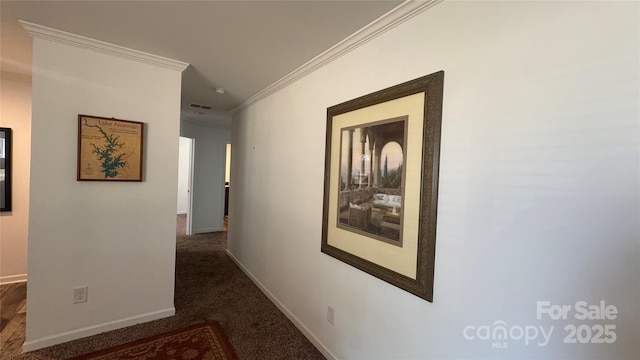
x,y
63,37
386,22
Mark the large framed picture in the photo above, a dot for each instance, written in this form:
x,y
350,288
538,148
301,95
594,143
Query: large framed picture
x,y
109,149
5,169
381,183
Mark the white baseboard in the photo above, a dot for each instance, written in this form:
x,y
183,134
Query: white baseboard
x,y
182,213
13,279
305,331
31,345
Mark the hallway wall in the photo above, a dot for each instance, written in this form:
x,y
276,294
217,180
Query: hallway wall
x,y
539,184
116,238
208,175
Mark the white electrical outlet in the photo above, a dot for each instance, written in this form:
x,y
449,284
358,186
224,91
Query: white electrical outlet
x,y
80,294
330,314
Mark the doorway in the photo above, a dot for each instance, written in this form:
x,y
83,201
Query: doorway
x,y
185,182
227,184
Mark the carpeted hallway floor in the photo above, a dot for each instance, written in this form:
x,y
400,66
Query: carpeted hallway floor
x,y
209,286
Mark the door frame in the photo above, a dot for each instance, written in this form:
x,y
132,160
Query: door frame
x,y
190,170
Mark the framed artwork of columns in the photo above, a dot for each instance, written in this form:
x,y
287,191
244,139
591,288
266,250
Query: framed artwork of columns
x,y
381,183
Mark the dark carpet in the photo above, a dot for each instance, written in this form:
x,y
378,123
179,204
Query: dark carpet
x,y
209,286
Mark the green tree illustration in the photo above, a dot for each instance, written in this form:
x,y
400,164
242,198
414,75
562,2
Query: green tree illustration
x,y
385,171
393,179
109,162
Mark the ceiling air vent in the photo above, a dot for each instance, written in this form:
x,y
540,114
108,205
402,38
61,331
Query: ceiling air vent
x,y
198,106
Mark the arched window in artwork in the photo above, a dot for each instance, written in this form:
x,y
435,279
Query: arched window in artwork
x,y
392,162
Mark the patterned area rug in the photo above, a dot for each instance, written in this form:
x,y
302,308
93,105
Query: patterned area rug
x,y
205,341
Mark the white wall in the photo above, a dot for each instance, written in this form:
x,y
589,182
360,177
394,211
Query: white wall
x,y
184,168
15,108
208,175
539,196
117,238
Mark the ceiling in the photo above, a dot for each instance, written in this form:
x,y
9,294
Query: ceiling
x,y
241,46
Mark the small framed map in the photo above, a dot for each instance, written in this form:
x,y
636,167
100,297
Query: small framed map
x,y
109,149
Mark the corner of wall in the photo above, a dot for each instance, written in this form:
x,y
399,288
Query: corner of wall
x,y
15,113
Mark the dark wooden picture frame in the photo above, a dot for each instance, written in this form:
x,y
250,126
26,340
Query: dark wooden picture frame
x,y
354,237
5,169
109,149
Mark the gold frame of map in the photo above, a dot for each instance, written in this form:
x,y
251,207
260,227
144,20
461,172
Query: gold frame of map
x,y
109,149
